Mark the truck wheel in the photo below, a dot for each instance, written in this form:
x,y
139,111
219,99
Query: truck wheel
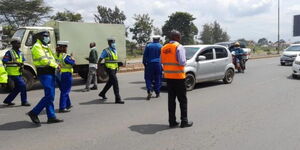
x,y
102,75
190,82
228,78
28,78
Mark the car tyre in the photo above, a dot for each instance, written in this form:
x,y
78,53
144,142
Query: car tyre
x,y
294,76
228,78
282,63
190,81
102,75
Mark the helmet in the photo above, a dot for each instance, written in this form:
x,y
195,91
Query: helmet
x,y
236,44
63,43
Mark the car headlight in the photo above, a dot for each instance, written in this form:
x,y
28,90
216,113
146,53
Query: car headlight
x,y
297,62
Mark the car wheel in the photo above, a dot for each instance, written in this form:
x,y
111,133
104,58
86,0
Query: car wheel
x,y
228,78
282,63
294,76
190,82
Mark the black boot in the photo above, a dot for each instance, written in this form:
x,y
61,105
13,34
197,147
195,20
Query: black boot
x,y
103,96
9,103
34,118
64,110
54,120
173,124
25,104
185,124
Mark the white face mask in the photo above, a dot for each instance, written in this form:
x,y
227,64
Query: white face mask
x,y
46,40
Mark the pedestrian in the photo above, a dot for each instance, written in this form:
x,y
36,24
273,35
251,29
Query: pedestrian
x,y
92,75
173,59
152,64
3,74
44,61
14,62
66,63
110,56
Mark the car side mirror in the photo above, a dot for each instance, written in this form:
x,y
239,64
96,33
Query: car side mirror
x,y
201,58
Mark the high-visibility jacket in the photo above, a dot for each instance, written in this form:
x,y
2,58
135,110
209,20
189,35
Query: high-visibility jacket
x,y
43,56
111,61
3,73
64,66
171,67
13,66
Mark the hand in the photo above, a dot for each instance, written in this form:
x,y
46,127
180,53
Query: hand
x,y
87,58
59,68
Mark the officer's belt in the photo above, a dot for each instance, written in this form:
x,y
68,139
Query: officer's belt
x,y
171,64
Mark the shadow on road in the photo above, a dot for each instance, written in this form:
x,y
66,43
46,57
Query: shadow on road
x,y
208,84
135,98
18,125
96,101
292,78
138,82
6,106
149,128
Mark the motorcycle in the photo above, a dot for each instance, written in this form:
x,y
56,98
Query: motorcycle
x,y
239,63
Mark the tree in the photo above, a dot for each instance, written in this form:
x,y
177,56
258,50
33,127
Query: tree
x,y
142,29
107,15
262,41
213,33
16,13
157,31
67,16
183,22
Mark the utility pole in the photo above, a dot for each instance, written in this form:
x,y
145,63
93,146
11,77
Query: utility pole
x,y
278,43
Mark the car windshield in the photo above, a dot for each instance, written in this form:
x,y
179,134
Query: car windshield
x,y
293,48
190,52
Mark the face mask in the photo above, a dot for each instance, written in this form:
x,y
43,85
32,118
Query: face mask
x,y
113,45
46,40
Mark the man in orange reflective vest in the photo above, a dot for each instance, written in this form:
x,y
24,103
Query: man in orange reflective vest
x,y
173,60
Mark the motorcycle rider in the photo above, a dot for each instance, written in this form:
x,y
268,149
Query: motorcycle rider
x,y
238,54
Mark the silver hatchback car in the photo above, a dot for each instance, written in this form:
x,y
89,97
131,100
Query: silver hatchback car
x,y
208,63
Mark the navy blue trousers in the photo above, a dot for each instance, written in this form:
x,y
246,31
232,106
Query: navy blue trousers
x,y
153,75
66,84
20,86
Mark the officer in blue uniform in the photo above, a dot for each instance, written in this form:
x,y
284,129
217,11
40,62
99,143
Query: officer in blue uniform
x,y
66,62
13,60
153,68
44,61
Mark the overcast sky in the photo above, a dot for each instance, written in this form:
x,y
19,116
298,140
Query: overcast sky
x,y
249,19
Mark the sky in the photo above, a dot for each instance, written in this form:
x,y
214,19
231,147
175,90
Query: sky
x,y
249,19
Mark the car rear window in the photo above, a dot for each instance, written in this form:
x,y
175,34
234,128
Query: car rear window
x,y
221,53
190,52
293,48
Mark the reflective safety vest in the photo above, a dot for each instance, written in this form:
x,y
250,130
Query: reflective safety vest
x,y
13,66
64,66
3,73
111,61
171,67
43,56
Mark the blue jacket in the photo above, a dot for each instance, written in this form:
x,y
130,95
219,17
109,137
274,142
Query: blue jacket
x,y
152,53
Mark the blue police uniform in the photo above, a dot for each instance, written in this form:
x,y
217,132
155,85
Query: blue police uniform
x,y
20,85
153,68
66,84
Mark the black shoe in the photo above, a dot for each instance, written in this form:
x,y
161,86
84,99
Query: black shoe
x,y
94,88
9,103
120,102
69,107
34,118
174,124
157,95
103,96
85,90
54,120
25,104
186,124
149,96
63,110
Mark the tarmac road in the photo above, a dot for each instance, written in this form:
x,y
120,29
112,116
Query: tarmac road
x,y
260,110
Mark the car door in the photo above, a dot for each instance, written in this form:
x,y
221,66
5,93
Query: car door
x,y
206,68
222,60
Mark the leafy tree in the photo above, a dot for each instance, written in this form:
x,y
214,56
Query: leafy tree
x,y
16,13
107,15
263,41
157,31
213,33
142,29
67,16
183,22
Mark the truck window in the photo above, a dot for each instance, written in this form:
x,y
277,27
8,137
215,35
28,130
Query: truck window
x,y
29,39
208,53
19,34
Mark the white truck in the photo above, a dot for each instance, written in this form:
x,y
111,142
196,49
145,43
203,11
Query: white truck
x,y
79,35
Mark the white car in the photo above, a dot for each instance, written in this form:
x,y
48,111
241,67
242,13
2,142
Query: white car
x,y
296,67
207,63
289,54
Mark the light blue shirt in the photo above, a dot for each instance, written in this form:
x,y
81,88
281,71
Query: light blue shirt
x,y
180,54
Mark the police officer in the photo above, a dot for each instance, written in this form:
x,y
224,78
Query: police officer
x,y
44,61
13,60
153,70
173,59
3,74
110,56
66,62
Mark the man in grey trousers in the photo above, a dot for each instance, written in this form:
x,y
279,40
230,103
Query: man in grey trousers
x,y
92,75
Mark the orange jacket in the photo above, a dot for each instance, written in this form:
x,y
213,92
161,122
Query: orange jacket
x,y
172,68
